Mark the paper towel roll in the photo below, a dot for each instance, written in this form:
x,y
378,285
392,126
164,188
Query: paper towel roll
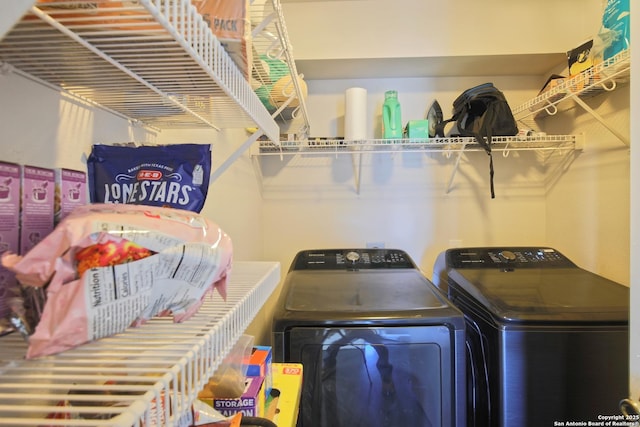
x,y
355,114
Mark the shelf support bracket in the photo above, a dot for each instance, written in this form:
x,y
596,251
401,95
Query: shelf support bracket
x,y
357,169
455,169
234,156
260,27
599,118
5,68
257,169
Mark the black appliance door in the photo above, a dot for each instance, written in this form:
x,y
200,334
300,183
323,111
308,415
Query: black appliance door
x,y
375,377
481,411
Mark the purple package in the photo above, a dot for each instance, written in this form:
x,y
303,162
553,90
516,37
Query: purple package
x,y
9,228
36,213
71,192
174,176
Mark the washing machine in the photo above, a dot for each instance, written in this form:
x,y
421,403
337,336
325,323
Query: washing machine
x,y
380,345
547,341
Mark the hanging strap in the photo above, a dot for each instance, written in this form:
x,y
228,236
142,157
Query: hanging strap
x,y
493,194
485,142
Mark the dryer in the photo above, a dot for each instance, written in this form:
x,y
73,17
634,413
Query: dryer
x,y
547,340
380,345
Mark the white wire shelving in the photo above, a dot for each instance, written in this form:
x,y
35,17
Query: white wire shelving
x,y
271,42
324,146
154,62
145,376
447,146
602,77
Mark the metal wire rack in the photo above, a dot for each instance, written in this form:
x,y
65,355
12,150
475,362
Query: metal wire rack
x,y
323,146
155,62
146,376
273,49
602,77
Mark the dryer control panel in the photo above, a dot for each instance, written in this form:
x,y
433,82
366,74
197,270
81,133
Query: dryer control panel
x,y
512,257
351,259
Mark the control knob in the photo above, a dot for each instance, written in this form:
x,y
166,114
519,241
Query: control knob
x,y
508,255
353,256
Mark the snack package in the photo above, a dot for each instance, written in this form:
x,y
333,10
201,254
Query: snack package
x,y
580,58
616,26
230,22
111,266
175,176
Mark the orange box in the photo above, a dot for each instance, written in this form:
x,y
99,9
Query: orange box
x,y
260,366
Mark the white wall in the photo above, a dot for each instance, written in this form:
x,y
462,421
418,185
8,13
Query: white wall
x,y
11,12
233,199
432,28
587,206
44,128
41,127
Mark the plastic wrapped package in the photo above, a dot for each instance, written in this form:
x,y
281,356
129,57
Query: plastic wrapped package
x,y
229,379
175,176
274,86
614,33
230,22
135,262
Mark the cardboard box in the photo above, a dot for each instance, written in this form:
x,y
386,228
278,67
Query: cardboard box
x,y
287,378
260,366
9,227
250,404
36,214
71,192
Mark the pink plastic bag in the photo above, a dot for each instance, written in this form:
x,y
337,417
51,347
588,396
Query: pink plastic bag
x,y
188,256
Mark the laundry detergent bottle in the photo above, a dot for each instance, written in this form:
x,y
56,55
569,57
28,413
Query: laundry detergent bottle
x,y
391,117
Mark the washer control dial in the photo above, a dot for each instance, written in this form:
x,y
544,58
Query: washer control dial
x,y
353,256
508,255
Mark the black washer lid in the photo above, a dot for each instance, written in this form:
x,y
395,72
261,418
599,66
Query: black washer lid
x,y
544,294
361,291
